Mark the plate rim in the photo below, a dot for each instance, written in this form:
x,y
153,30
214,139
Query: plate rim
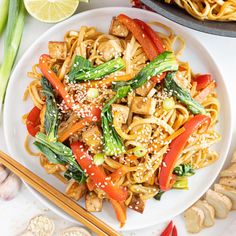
x,y
121,9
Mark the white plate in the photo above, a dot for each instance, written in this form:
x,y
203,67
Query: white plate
x,y
173,202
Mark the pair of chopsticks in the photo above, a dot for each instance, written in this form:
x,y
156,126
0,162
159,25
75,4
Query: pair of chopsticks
x,y
58,198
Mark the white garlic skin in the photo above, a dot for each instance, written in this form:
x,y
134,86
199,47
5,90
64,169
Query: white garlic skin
x,y
3,173
10,187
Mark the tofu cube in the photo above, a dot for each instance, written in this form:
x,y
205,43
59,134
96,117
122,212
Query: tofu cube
x,y
92,202
57,50
145,89
123,112
92,137
137,204
143,105
118,29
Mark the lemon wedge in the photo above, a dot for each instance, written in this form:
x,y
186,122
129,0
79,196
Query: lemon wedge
x,y
51,11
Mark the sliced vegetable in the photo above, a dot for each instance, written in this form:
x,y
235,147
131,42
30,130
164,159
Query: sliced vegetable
x,y
184,170
203,81
181,183
84,110
140,151
51,120
92,93
15,24
118,173
168,104
96,173
120,210
93,73
33,121
145,41
152,34
184,96
167,231
4,13
205,92
176,147
113,144
58,153
163,62
159,195
98,159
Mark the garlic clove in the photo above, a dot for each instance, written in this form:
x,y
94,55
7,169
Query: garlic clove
x,y
41,226
76,231
10,187
3,173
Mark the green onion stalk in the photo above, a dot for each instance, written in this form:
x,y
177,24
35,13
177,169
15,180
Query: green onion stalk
x,y
3,13
15,24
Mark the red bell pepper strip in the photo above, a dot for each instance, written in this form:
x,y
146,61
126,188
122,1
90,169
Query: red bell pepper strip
x,y
174,231
96,173
86,111
167,231
33,121
203,81
145,41
158,43
205,92
176,147
152,34
120,210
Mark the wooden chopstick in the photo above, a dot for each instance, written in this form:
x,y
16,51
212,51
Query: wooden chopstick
x,y
58,198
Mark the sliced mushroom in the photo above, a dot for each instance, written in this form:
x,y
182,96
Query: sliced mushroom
x,y
76,231
209,212
228,181
194,218
230,172
227,191
220,202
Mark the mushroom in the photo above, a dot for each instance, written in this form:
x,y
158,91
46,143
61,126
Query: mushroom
x,y
10,187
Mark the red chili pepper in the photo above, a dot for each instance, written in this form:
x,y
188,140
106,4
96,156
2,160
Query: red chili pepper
x,y
167,231
203,81
174,231
176,147
96,173
145,41
33,121
86,111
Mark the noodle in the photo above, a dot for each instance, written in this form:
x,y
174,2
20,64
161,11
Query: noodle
x,y
153,132
218,10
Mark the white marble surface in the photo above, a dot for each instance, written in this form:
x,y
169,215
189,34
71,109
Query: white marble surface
x,y
14,215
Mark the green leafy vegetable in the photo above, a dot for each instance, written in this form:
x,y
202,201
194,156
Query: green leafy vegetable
x,y
82,69
4,13
184,170
184,96
113,144
58,153
166,61
74,173
159,195
51,115
181,183
15,24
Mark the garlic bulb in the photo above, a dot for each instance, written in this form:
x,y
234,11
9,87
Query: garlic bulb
x,y
76,231
3,173
10,187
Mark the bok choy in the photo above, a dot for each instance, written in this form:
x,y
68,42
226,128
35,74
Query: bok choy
x,y
4,13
